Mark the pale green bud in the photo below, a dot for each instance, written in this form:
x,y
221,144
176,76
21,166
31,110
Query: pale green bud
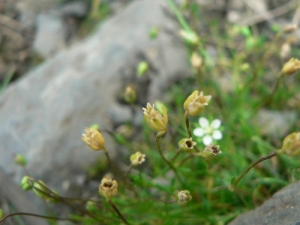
x,y
142,68
20,159
196,103
156,121
26,183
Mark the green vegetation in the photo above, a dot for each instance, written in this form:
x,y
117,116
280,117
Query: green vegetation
x,y
244,78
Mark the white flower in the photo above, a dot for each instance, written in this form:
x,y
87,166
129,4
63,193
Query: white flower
x,y
209,131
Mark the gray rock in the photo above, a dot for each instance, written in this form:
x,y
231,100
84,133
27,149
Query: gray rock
x,y
77,9
43,115
275,123
282,208
30,9
50,35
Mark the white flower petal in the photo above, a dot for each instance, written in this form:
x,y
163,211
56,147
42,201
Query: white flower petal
x,y
199,132
207,140
216,123
203,122
217,135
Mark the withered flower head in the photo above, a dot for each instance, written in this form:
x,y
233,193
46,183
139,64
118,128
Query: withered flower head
x,y
195,103
94,139
156,121
108,188
210,152
186,144
184,197
137,158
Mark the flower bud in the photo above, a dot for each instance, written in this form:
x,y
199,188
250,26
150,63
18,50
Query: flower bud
x,y
210,152
108,188
186,144
40,189
156,121
184,197
137,158
94,139
130,94
195,103
91,206
190,37
291,66
25,183
142,68
19,159
153,32
291,145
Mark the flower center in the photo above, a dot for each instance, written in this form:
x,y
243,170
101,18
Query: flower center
x,y
209,130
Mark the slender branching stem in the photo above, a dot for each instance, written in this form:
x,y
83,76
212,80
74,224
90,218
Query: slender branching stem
x,y
35,215
232,187
114,167
176,155
128,171
268,99
187,123
185,159
179,16
157,140
118,212
57,197
119,172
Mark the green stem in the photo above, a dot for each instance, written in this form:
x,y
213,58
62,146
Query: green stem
x,y
118,212
55,196
232,187
157,140
179,16
128,171
187,123
185,159
35,215
116,169
268,100
176,155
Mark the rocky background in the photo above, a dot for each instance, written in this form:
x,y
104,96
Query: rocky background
x,y
65,78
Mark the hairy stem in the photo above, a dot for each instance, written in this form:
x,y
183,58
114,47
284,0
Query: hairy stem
x,y
157,140
232,187
187,123
35,215
118,212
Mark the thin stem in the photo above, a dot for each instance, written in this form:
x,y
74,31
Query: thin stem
x,y
128,171
268,99
232,187
187,123
185,159
55,196
176,155
157,140
119,172
116,169
35,215
179,16
118,212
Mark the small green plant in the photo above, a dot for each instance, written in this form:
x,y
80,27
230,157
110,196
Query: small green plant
x,y
201,158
